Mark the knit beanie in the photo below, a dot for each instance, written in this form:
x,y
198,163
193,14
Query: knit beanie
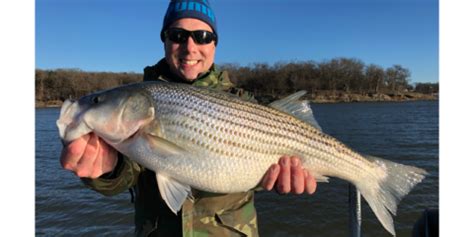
x,y
198,9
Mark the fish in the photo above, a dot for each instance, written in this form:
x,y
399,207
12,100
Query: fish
x,y
205,139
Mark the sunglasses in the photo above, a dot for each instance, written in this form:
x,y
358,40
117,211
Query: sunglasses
x,y
179,36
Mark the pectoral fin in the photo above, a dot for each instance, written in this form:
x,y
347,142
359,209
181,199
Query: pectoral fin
x,y
173,192
164,147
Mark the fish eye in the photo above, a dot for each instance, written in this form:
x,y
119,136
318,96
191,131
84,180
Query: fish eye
x,y
96,99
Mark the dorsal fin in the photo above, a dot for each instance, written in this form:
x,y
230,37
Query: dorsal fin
x,y
298,108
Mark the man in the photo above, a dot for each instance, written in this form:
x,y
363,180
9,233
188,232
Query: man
x,y
190,38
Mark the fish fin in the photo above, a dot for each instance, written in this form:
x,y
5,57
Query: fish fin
x,y
164,147
173,192
321,178
391,183
298,108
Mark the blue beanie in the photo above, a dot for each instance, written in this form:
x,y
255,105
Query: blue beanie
x,y
198,9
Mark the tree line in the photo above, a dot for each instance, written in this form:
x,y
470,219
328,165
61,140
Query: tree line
x,y
61,84
347,75
340,74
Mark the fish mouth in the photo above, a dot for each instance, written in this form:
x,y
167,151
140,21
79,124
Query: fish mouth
x,y
68,125
76,130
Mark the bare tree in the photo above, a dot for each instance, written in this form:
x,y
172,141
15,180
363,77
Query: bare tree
x,y
374,75
397,78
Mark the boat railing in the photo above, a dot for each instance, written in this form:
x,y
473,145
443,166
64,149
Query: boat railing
x,y
355,212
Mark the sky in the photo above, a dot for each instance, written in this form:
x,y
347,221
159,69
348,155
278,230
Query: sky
x,y
124,35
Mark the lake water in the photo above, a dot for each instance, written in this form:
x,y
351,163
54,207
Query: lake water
x,y
403,132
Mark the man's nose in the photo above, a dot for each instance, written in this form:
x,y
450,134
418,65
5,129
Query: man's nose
x,y
190,45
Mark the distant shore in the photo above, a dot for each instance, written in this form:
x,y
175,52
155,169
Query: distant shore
x,y
326,97
48,104
339,97
343,97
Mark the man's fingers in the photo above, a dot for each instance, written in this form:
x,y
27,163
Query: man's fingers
x,y
270,177
96,169
85,165
72,153
284,185
105,161
297,176
310,183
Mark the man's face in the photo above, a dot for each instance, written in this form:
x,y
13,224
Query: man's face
x,y
188,60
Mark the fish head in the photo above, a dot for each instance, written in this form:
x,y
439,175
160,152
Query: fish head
x,y
114,115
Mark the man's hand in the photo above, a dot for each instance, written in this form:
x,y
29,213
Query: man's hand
x,y
288,176
89,157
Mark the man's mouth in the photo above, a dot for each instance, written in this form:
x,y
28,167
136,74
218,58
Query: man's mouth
x,y
189,62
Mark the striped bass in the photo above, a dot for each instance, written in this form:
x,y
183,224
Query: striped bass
x,y
199,138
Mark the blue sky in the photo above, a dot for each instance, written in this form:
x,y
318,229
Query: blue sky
x,y
123,35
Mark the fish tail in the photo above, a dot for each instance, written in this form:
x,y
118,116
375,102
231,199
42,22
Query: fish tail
x,y
393,181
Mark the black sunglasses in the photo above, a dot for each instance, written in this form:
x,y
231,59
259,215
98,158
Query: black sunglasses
x,y
178,35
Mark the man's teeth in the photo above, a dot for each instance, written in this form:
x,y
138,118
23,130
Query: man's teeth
x,y
189,62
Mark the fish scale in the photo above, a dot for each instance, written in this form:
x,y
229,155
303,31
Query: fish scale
x,y
213,141
287,129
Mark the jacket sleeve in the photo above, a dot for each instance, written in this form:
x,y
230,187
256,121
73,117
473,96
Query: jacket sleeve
x,y
122,178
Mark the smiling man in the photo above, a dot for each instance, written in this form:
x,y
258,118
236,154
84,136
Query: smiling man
x,y
189,34
189,59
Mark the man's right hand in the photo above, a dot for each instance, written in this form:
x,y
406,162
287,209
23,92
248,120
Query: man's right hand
x,y
89,157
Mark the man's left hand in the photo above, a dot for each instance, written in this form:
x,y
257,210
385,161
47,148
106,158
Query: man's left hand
x,y
288,176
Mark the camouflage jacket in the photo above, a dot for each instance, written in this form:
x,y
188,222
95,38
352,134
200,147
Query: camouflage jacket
x,y
209,214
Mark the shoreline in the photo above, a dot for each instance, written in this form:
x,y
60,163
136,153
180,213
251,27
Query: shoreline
x,y
319,98
343,97
339,97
